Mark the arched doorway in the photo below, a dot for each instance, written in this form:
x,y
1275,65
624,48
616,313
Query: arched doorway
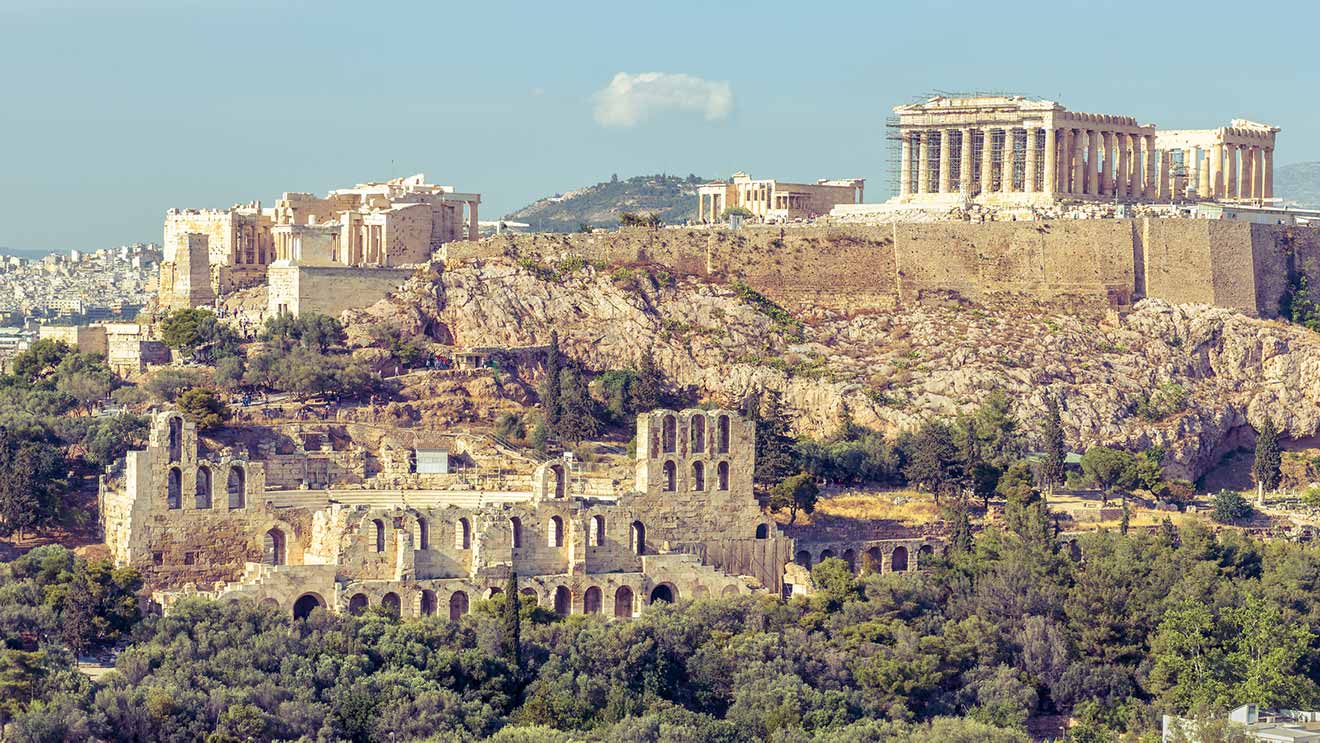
x,y
597,532
563,601
380,534
556,532
698,425
762,531
722,434
176,439
273,549
302,608
803,558
174,489
591,601
623,602
391,603
530,593
925,554
668,437
850,557
899,560
671,476
357,604
663,593
698,476
458,605
557,472
203,489
874,560
722,471
234,486
637,537
428,602
463,535
826,554
515,528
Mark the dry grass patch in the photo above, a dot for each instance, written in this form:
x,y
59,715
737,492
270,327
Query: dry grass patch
x,y
916,508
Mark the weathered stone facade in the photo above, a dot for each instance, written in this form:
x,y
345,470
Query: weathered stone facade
x,y
773,200
213,522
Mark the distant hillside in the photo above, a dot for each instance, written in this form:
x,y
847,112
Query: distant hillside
x,y
672,197
1299,182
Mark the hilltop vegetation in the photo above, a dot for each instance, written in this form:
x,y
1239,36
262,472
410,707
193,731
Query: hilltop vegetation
x,y
672,198
1299,182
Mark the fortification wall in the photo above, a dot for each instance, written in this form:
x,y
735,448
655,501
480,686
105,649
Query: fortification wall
x,y
1106,263
328,290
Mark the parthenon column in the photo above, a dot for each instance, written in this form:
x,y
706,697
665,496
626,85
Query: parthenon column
x,y
923,162
905,166
1165,160
1231,165
1248,183
1006,162
1079,162
1258,169
1029,174
1123,176
945,185
1065,160
1267,173
1134,165
1151,176
1217,171
1205,172
1093,162
965,163
987,165
1051,174
1107,176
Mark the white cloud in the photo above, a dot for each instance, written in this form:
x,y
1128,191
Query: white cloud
x,y
632,99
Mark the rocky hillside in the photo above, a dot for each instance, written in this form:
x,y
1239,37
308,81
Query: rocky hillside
x,y
1298,182
1191,379
672,197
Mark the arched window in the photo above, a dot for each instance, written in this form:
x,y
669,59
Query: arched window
x,y
380,534
722,435
458,605
596,533
698,476
273,547
391,603
176,439
637,538
698,424
556,532
515,526
722,475
235,487
850,557
203,496
558,473
874,561
663,593
623,602
925,553
563,601
174,489
899,560
803,558
671,476
423,534
826,554
428,602
302,608
591,601
463,535
762,531
668,435
357,604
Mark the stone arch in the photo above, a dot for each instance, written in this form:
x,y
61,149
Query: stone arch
x,y
303,606
357,604
555,532
175,438
671,476
236,487
494,591
637,538
623,602
925,553
668,434
463,534
898,561
722,434
699,592
379,527
698,476
202,490
423,533
515,527
826,554
458,605
591,601
729,590
722,476
762,531
274,549
803,558
875,560
850,557
596,532
270,601
391,603
563,601
557,472
174,489
427,602
698,431
665,592
536,597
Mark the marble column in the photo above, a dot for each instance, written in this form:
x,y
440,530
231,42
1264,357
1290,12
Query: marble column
x,y
1150,181
1006,163
945,185
1231,165
1050,181
1065,160
1248,184
1189,179
1134,165
1029,174
1258,169
1217,171
1123,176
1093,162
923,162
905,167
1107,176
1267,173
965,164
1165,160
1079,162
987,164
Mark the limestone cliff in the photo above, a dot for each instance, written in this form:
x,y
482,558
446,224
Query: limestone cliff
x,y
1188,378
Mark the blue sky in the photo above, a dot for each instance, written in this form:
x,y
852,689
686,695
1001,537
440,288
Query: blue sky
x,y
113,112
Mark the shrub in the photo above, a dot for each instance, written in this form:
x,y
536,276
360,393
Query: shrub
x,y
1230,507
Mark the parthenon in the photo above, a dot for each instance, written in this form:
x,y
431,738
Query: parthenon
x,y
1011,149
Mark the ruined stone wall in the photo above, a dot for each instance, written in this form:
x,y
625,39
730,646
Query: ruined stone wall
x,y
328,290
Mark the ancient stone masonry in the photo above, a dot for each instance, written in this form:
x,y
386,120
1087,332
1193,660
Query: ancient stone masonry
x,y
1009,149
213,522
773,200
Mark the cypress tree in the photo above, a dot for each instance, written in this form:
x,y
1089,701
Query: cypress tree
x,y
577,410
550,385
776,457
511,640
648,391
1056,453
1268,459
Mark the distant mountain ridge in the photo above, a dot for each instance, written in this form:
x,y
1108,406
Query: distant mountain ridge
x,y
673,198
1299,183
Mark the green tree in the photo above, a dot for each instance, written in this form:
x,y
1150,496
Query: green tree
x,y
1268,459
1230,507
32,483
933,460
578,420
798,492
204,407
511,619
1110,469
550,384
313,331
776,453
1053,447
39,360
648,392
